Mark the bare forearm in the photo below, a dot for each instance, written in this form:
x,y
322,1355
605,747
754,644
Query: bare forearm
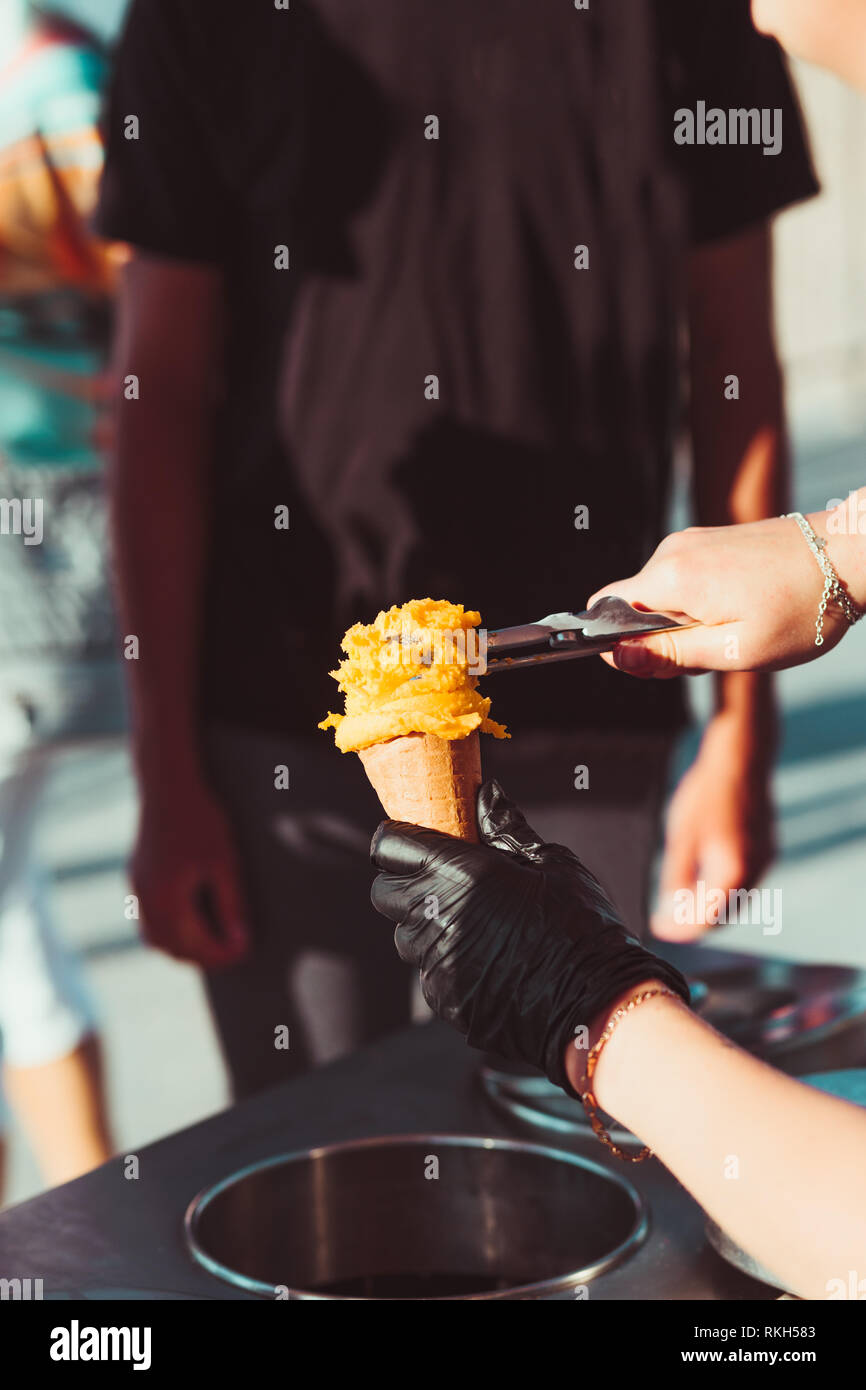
x,y
740,447
780,1167
739,436
737,413
158,505
168,344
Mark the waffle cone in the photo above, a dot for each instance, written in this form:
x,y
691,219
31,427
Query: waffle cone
x,y
428,781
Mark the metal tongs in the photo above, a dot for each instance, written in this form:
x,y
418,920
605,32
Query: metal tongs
x,y
565,636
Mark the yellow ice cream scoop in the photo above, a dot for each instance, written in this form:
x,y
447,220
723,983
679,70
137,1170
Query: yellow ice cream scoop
x,y
411,671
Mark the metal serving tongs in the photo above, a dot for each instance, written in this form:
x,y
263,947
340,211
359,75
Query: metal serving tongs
x,y
564,636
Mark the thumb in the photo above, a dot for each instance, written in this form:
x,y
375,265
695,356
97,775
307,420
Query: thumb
x,y
502,824
400,848
689,652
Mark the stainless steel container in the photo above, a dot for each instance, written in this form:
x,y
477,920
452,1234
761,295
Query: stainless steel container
x,y
417,1216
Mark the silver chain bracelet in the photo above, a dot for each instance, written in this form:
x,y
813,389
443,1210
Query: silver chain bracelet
x,y
834,590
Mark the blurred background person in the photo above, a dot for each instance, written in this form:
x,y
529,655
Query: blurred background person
x,y
391,339
57,676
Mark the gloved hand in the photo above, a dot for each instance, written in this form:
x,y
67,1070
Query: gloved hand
x,y
516,942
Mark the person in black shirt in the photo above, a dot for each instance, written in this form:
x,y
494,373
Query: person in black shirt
x,y
404,318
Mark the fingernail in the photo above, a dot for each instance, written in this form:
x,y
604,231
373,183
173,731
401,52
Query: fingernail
x,y
632,657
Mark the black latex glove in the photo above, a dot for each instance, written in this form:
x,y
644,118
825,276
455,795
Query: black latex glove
x,y
516,941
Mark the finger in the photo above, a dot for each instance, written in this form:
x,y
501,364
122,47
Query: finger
x,y
195,943
622,588
650,589
415,930
502,824
676,924
504,827
400,848
673,919
413,940
699,902
208,926
231,920
179,932
680,653
395,896
723,867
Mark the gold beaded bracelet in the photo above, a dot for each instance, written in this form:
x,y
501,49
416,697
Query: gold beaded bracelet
x,y
590,1104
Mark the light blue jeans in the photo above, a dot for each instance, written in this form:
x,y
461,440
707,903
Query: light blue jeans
x,y
45,1006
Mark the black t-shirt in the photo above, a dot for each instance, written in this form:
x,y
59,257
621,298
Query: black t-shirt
x,y
431,375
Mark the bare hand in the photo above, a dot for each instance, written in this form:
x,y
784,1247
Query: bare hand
x,y
753,589
719,833
187,877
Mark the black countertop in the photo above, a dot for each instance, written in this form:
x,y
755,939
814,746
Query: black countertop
x,y
107,1232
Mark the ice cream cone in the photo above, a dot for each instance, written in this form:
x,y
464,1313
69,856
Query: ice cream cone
x,y
428,781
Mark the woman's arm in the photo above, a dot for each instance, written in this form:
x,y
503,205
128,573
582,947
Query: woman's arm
x,y
518,947
779,1166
